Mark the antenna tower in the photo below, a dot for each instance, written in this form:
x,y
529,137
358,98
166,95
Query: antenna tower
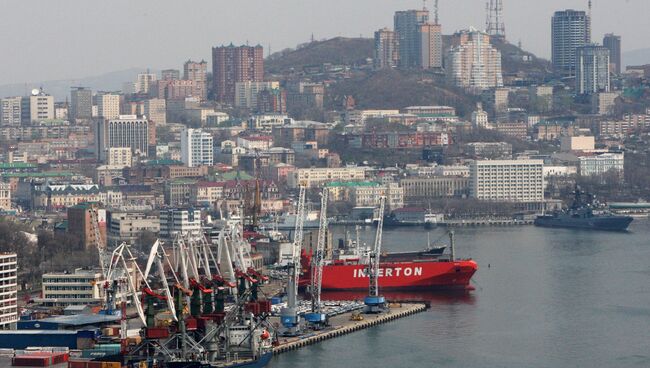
x,y
494,21
435,13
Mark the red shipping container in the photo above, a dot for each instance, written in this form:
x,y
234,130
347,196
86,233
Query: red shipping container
x,y
77,363
216,317
157,332
31,361
190,324
201,321
92,364
265,306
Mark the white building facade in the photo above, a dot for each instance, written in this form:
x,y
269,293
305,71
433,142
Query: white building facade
x,y
507,180
8,291
196,148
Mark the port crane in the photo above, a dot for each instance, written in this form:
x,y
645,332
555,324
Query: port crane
x,y
289,315
376,303
317,317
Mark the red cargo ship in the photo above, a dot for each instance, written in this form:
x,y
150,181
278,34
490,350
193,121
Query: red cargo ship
x,y
426,270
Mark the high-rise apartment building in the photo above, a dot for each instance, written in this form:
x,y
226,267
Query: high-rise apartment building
x,y
81,104
125,131
386,49
430,49
474,63
8,291
170,74
5,196
592,69
196,147
197,71
507,180
613,43
10,111
144,82
570,29
232,64
406,25
155,109
108,105
246,92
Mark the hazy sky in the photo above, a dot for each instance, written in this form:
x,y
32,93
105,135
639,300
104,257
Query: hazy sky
x,y
66,39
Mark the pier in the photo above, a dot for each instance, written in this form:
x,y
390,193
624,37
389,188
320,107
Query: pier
x,y
343,324
485,222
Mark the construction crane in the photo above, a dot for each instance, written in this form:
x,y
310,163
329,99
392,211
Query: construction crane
x,y
376,303
317,317
289,314
104,258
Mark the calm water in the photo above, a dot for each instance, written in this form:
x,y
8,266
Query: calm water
x,y
549,298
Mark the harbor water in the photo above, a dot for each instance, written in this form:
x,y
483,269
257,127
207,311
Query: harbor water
x,y
544,298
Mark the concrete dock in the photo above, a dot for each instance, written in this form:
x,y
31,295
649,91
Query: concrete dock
x,y
342,324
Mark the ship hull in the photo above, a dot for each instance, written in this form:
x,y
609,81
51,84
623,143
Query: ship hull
x,y
609,223
414,275
262,361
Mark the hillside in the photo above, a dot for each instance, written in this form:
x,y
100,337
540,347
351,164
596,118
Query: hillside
x,y
338,50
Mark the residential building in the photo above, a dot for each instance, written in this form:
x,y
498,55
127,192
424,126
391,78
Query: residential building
x,y
155,109
399,139
592,70
603,103
80,224
480,118
266,122
246,92
132,131
206,193
107,175
119,156
5,196
386,49
570,29
127,226
197,71
313,177
177,192
406,26
145,82
170,74
419,189
474,63
359,117
368,195
82,287
10,111
255,142
517,129
232,64
8,291
577,143
630,124
196,147
81,104
430,45
602,164
37,107
108,105
272,101
179,221
507,180
613,43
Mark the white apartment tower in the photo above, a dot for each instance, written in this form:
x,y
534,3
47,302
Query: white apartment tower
x,y
108,105
507,180
474,63
8,291
196,148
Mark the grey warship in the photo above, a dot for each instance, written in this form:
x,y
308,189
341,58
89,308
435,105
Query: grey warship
x,y
584,213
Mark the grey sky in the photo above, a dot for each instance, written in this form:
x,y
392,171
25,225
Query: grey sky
x,y
65,39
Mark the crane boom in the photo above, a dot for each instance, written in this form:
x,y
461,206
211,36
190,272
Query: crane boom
x,y
319,255
289,315
101,247
376,251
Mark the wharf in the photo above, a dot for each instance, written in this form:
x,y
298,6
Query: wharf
x,y
485,222
342,324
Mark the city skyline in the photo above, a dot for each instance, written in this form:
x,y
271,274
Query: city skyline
x,y
111,33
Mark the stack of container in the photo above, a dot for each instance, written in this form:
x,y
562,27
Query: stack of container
x,y
39,359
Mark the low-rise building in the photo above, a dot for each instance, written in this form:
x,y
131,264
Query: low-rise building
x,y
127,226
313,177
5,196
418,189
83,287
181,221
577,143
206,193
602,164
489,149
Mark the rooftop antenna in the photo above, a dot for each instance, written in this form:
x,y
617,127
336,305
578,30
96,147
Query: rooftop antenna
x,y
494,24
435,12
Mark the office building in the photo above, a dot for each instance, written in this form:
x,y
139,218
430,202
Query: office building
x,y
602,164
196,147
81,104
474,63
37,107
246,93
570,29
108,105
119,156
125,131
613,43
82,287
8,291
313,177
430,50
179,221
232,64
592,70
424,188
386,49
155,109
10,111
126,227
406,26
197,71
507,180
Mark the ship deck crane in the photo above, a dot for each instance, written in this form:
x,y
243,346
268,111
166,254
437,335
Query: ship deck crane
x,y
289,315
376,303
317,317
